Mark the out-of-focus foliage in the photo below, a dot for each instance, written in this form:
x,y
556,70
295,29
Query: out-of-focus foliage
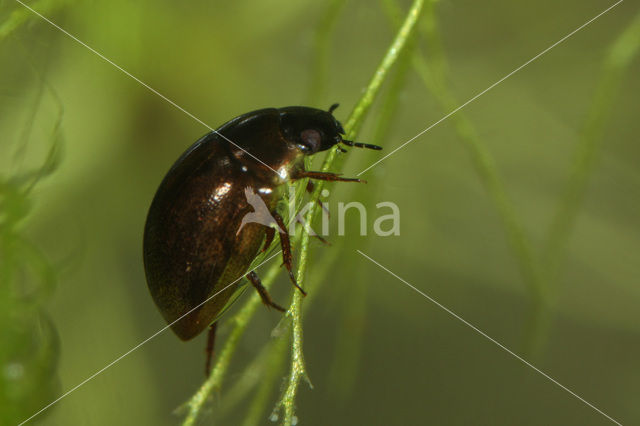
x,y
408,362
30,348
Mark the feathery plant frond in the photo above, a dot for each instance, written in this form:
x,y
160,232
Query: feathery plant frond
x,y
30,347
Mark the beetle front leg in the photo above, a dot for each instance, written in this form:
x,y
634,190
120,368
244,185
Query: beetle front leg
x,y
286,250
332,177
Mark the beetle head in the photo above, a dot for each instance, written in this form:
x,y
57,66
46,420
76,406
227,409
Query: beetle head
x,y
313,130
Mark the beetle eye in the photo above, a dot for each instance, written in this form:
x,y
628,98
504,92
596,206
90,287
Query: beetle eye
x,y
311,139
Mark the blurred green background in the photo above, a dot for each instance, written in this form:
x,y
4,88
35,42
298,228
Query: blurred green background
x,y
376,351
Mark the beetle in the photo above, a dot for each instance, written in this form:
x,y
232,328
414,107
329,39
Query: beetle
x,y
196,243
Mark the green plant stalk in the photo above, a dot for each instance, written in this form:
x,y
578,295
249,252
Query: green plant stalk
x,y
240,322
297,357
242,318
319,69
20,15
435,79
540,277
242,386
322,48
344,371
273,352
619,57
261,398
352,126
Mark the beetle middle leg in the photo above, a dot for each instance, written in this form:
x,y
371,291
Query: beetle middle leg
x,y
264,294
286,251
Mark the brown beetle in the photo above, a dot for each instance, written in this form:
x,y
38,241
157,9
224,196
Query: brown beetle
x,y
195,240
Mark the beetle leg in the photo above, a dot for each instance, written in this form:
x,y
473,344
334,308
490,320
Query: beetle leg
x,y
211,338
286,250
326,176
322,240
271,232
264,294
313,234
310,187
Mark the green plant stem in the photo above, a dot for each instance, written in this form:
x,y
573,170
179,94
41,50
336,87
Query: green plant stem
x,y
241,319
621,54
275,351
352,126
355,120
260,400
481,157
20,15
240,322
322,49
619,57
353,299
268,363
238,391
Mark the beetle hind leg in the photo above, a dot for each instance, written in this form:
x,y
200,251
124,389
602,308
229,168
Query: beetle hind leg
x,y
270,233
211,338
264,294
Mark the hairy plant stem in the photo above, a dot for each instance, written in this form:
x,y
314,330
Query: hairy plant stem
x,y
352,126
274,351
241,319
353,298
240,322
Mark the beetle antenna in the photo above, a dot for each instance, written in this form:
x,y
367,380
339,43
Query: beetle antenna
x,y
361,145
333,107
